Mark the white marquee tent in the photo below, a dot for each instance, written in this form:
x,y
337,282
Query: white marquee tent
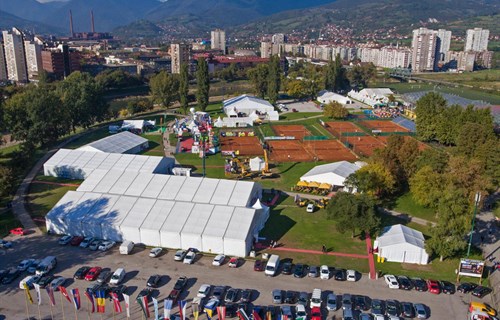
x,y
332,173
325,96
399,243
213,236
247,104
150,232
257,164
123,142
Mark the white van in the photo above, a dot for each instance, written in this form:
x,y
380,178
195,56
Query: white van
x,y
47,264
272,265
126,247
117,276
316,299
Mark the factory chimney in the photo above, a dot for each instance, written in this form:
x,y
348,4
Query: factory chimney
x,y
92,28
71,33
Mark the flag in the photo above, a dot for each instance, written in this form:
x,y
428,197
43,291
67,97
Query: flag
x,y
268,315
167,307
91,299
255,315
38,295
126,298
182,309
242,314
28,293
101,301
196,310
116,302
155,304
143,302
76,298
50,293
209,313
284,317
221,312
64,293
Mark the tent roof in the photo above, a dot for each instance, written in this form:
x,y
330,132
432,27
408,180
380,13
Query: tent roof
x,y
198,219
241,224
400,234
117,143
244,101
218,222
341,168
157,215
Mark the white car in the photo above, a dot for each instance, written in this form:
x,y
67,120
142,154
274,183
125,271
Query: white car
x,y
106,245
204,291
391,281
300,311
25,264
378,317
32,267
117,276
324,272
155,252
65,240
219,260
189,258
86,242
179,255
310,208
351,275
59,281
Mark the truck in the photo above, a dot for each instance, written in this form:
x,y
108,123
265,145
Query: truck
x,y
126,247
46,265
272,265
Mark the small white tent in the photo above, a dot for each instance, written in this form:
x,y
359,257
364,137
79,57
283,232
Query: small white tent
x,y
257,164
399,243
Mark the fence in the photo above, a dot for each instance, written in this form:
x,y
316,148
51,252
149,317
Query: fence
x,y
315,138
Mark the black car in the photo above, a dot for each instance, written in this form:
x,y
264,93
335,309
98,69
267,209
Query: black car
x,y
94,288
180,283
481,291
246,295
290,297
340,275
419,284
218,292
303,298
287,268
447,287
377,307
299,270
119,290
3,273
231,310
45,280
360,303
11,275
404,283
81,272
245,306
146,292
466,287
232,295
153,281
392,308
407,310
104,276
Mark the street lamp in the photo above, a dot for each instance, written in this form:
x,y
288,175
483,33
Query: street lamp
x,y
476,202
203,138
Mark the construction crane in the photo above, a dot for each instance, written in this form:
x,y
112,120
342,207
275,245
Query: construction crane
x,y
266,173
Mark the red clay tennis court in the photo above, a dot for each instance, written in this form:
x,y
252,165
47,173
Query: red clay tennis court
x,y
288,150
384,126
329,150
297,131
364,145
246,146
338,127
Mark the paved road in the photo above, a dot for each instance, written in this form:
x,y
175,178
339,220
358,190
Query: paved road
x,y
140,266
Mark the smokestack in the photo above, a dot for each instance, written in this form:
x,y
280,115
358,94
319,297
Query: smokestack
x,y
70,24
92,21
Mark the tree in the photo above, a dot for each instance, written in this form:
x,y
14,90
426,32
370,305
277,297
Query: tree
x,y
164,88
6,180
352,212
274,79
448,124
335,110
203,82
472,136
184,88
112,79
139,105
360,75
374,179
428,109
335,75
436,159
426,186
296,89
258,76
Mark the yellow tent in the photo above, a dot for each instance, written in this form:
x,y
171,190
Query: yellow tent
x,y
302,183
313,184
325,186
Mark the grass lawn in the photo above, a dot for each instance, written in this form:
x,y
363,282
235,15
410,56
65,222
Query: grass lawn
x,y
298,115
88,138
406,204
7,222
155,145
42,197
289,174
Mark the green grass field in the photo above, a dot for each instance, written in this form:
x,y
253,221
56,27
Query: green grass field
x,y
42,197
7,222
485,79
406,204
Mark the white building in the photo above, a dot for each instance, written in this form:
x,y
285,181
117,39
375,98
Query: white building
x,y
14,55
423,49
325,96
249,106
399,243
443,44
218,40
477,39
123,142
333,174
33,51
393,57
371,96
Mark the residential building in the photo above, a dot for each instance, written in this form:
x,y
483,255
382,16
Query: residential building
x,y
180,55
423,49
266,49
278,38
218,40
392,57
60,61
461,60
477,39
15,58
3,65
443,44
483,59
33,52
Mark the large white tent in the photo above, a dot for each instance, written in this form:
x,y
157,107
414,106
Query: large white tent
x,y
195,225
400,243
213,235
239,232
333,173
325,96
123,142
150,228
246,104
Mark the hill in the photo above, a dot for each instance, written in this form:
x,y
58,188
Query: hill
x,y
7,21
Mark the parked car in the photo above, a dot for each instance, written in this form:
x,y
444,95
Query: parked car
x,y
23,265
28,280
360,303
277,296
392,308
234,262
300,311
45,280
481,291
174,295
81,272
231,295
287,311
10,276
119,290
94,245
153,281
466,287
64,240
290,297
212,304
219,260
5,244
351,275
377,307
76,241
118,276
246,295
155,252
181,283
190,257
433,286
179,255
313,272
421,311
391,281
218,292
340,275
106,245
316,313
346,301
407,310
86,242
447,287
287,268
94,288
303,298
324,272
104,276
404,283
58,281
204,291
331,302
299,270
419,284
258,266
146,292
93,273
310,208
32,267
19,231
365,316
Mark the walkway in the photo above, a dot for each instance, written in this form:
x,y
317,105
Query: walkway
x,y
371,261
56,183
406,217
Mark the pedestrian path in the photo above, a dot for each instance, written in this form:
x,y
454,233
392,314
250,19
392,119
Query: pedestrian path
x,y
371,261
56,183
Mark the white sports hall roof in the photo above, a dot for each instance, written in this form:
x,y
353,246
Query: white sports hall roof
x,y
116,143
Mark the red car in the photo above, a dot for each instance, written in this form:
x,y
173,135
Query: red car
x,y
258,265
433,286
233,262
316,313
76,241
18,231
93,273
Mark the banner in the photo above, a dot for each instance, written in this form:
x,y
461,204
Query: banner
x,y
126,298
155,304
64,293
167,307
101,301
182,309
38,295
143,302
76,298
28,293
221,312
116,302
209,313
50,293
471,268
242,314
91,300
268,315
196,310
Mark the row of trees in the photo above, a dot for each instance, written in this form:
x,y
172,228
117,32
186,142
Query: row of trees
x,y
266,79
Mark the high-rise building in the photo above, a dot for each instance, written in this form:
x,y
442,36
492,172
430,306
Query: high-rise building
x,y
60,61
423,49
443,44
266,49
15,58
278,38
3,66
33,52
477,39
180,55
218,40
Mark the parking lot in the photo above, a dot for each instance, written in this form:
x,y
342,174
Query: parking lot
x,y
139,267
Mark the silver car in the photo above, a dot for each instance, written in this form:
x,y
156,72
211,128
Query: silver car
x,y
277,296
313,272
420,311
331,302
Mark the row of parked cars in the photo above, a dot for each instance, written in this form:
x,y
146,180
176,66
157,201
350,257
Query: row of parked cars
x,y
434,286
86,242
37,269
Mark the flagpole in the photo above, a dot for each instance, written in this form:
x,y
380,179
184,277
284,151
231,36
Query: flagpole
x,y
27,309
62,306
39,314
76,315
51,312
88,309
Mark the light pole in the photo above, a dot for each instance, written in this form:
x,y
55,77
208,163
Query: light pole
x,y
476,202
204,138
